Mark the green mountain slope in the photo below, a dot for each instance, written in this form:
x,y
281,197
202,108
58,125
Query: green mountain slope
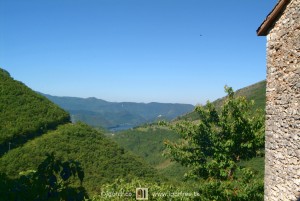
x,y
101,159
256,92
147,141
100,113
33,126
24,114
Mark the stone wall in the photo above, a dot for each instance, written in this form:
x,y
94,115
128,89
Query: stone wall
x,y
282,163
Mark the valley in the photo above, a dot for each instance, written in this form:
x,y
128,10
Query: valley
x,y
148,141
128,152
116,116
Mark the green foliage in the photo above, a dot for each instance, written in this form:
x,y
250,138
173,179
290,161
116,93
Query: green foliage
x,y
102,159
255,92
148,143
256,165
126,190
24,114
49,182
216,151
213,147
244,188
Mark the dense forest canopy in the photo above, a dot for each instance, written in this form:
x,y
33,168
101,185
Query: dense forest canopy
x,y
102,160
24,113
32,126
87,162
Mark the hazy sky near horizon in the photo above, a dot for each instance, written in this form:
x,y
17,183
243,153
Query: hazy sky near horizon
x,y
177,51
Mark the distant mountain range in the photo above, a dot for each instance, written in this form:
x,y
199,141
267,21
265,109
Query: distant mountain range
x,y
153,152
118,116
31,126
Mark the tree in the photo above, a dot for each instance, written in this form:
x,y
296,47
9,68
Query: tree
x,y
213,148
49,182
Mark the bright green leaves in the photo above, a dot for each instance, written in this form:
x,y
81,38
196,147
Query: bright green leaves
x,y
213,147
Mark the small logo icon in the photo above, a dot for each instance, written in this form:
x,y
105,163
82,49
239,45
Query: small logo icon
x,y
141,193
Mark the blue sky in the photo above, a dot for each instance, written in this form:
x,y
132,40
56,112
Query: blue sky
x,y
177,51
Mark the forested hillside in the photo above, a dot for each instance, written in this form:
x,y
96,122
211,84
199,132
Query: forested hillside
x,y
118,116
24,114
148,141
255,92
43,149
32,127
102,160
